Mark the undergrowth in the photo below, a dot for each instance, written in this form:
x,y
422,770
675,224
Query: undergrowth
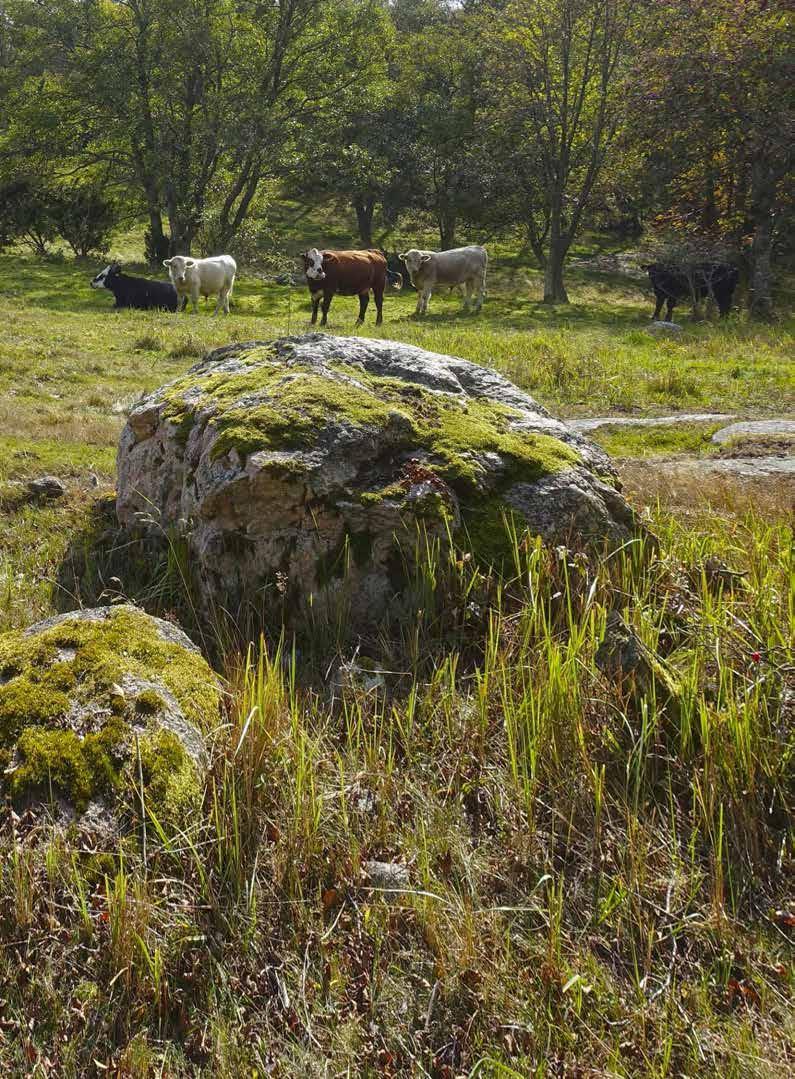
x,y
598,880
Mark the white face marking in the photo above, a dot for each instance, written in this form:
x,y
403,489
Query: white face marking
x,y
177,267
314,265
100,281
412,260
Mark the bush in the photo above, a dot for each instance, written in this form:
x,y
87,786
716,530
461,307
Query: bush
x,y
85,217
26,214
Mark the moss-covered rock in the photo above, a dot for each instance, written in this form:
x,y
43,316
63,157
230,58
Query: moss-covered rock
x,y
309,461
93,702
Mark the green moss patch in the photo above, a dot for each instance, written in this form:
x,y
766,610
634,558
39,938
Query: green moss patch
x,y
60,762
267,406
68,676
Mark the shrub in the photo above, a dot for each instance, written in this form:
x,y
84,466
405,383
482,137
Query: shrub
x,y
85,217
26,214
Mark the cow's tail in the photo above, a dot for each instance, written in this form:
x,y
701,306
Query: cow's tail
x,y
483,272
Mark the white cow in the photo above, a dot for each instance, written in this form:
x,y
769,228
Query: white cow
x,y
462,266
202,277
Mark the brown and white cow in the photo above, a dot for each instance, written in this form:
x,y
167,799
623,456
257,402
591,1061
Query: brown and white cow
x,y
350,273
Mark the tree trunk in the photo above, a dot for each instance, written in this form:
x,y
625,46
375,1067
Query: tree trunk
x,y
157,246
763,196
364,219
554,289
181,232
447,224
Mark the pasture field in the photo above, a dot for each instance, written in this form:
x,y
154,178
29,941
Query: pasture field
x,y
600,884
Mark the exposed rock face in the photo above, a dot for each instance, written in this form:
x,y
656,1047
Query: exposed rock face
x,y
307,462
94,701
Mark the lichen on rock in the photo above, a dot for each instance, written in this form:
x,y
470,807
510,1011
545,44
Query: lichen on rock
x,y
314,459
93,701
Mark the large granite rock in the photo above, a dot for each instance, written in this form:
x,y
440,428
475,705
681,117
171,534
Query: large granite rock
x,y
96,703
305,464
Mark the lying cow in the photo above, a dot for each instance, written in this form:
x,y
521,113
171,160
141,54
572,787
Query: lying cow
x,y
350,273
717,280
202,277
462,266
136,292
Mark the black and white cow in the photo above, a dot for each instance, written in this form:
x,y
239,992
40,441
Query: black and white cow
x,y
136,292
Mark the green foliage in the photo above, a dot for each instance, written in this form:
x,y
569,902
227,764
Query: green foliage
x,y
27,213
85,217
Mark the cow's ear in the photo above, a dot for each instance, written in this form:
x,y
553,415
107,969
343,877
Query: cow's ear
x,y
403,256
166,262
190,262
425,258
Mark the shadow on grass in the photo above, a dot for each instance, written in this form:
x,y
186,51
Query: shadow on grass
x,y
104,564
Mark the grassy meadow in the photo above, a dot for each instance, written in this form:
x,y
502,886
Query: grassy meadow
x,y
600,881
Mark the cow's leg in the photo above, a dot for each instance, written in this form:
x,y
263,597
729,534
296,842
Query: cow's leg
x,y
422,306
316,297
669,314
658,307
378,296
222,303
194,299
182,302
327,296
364,299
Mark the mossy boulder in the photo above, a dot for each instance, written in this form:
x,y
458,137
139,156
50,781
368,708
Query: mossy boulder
x,y
99,707
306,464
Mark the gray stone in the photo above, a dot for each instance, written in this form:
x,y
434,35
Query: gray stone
x,y
304,466
386,876
754,428
46,487
664,329
592,423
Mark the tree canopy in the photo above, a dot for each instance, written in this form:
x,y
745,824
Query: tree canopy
x,y
520,117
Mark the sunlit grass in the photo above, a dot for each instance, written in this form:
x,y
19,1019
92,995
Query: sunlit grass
x,y
599,879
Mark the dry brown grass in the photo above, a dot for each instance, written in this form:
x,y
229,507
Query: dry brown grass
x,y
683,486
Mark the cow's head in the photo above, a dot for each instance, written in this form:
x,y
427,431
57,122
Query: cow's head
x,y
394,280
313,264
414,260
102,280
177,268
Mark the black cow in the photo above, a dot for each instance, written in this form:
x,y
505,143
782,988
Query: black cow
x,y
695,282
136,292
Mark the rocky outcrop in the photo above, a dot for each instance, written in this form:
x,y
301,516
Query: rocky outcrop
x,y
304,466
100,710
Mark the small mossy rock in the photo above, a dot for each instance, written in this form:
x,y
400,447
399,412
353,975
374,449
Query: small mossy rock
x,y
623,657
309,462
94,701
